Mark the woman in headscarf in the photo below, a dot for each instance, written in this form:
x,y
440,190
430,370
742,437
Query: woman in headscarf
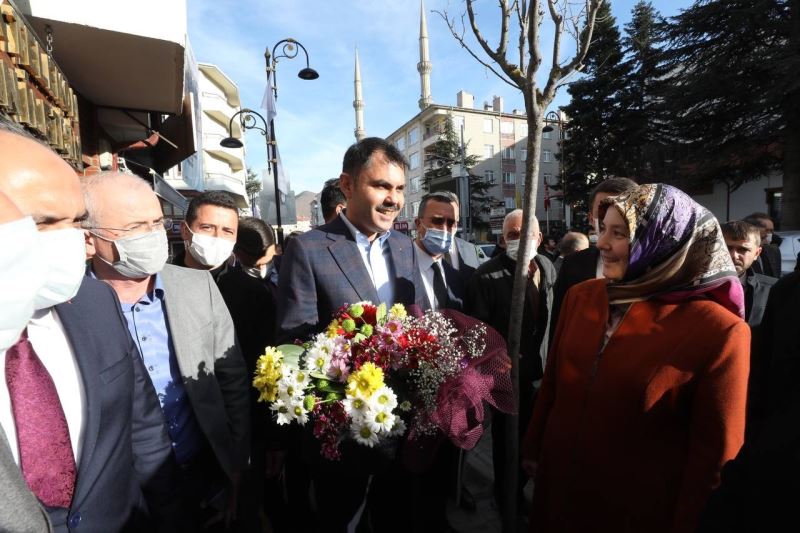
x,y
643,398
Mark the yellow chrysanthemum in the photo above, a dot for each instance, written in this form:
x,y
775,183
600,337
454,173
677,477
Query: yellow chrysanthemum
x,y
365,381
398,311
333,330
269,369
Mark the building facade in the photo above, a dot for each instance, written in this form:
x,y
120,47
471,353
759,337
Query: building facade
x,y
214,167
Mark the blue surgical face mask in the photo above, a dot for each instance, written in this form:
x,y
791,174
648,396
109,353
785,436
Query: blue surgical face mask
x,y
437,241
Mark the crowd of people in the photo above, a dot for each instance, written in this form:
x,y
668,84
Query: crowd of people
x,y
657,357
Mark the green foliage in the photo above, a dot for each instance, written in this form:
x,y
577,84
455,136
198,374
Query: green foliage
x,y
733,87
592,151
252,185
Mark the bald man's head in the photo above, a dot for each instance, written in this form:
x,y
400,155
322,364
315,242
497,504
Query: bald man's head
x,y
39,182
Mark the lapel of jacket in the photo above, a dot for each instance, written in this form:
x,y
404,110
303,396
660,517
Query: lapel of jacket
x,y
81,340
177,321
347,255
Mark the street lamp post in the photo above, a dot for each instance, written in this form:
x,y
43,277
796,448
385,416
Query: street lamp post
x,y
553,116
289,50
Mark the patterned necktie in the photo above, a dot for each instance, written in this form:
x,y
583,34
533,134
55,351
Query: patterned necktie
x,y
45,450
439,287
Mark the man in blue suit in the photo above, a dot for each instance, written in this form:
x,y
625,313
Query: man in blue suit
x,y
80,415
355,257
436,222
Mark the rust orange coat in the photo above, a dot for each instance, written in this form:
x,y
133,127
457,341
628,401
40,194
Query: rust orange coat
x,y
633,438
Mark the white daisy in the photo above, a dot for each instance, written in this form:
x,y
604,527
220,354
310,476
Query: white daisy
x,y
298,412
355,406
281,410
380,421
383,398
399,427
363,434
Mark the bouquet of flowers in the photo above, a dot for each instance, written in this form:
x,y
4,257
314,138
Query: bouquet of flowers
x,y
375,374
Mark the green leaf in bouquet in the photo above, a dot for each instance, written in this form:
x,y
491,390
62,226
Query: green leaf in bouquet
x,y
325,385
291,354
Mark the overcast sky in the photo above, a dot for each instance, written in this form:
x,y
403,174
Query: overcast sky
x,y
315,119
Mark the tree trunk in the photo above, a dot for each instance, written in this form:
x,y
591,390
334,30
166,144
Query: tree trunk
x,y
790,210
535,112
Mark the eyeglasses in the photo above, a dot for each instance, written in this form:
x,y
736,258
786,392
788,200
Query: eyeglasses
x,y
164,223
440,221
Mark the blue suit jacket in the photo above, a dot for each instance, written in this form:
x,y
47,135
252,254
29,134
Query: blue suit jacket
x,y
125,448
322,270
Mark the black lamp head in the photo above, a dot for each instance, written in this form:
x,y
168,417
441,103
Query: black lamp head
x,y
308,73
231,142
547,129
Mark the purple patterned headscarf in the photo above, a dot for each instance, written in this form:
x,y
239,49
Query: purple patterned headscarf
x,y
677,250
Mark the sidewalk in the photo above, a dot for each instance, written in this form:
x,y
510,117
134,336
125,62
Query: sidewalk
x,y
478,477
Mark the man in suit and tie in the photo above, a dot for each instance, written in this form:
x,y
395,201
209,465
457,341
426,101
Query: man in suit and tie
x,y
80,416
585,264
179,321
355,257
436,222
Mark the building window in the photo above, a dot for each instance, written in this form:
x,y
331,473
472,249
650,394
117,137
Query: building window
x,y
507,127
487,125
414,184
508,153
548,178
413,136
508,177
547,156
547,135
458,123
413,161
510,203
400,143
488,151
488,175
414,208
523,154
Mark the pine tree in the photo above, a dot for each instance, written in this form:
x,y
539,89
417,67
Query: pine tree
x,y
733,82
591,151
441,157
646,142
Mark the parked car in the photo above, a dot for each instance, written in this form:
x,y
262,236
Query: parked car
x,y
790,247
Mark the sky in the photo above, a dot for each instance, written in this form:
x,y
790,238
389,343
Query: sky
x,y
315,120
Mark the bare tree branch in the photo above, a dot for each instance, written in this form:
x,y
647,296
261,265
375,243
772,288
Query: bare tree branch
x,y
503,44
511,71
460,38
558,21
521,7
533,44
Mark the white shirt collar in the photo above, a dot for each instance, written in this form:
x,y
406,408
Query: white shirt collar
x,y
360,237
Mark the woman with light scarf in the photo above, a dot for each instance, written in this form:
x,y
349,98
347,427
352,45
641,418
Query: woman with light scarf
x,y
643,398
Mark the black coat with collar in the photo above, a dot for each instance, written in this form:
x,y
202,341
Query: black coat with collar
x,y
489,299
756,292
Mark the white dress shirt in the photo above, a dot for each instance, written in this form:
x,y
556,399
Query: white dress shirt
x,y
54,350
426,266
377,258
598,273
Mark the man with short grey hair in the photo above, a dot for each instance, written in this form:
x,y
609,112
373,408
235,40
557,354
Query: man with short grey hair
x,y
489,299
570,243
436,223
183,330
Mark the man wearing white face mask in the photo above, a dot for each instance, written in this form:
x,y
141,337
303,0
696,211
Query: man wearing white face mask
x,y
209,232
179,322
22,273
489,299
436,224
79,415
